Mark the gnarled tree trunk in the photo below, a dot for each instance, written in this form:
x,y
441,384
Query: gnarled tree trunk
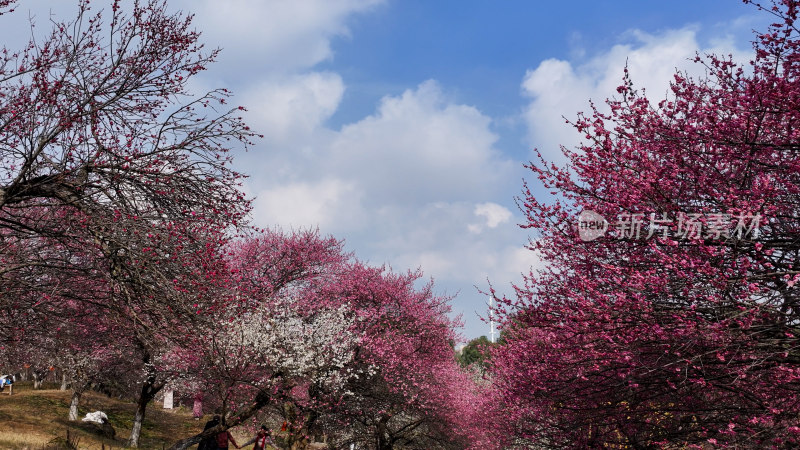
x,y
382,434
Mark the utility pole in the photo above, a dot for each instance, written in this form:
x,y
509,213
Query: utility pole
x,y
491,319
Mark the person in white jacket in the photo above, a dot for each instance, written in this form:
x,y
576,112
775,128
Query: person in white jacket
x,y
261,439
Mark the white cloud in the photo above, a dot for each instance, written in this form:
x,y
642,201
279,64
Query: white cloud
x,y
519,260
435,262
329,203
419,147
561,89
278,35
295,106
433,237
493,214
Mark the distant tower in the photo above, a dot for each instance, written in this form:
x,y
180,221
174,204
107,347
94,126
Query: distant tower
x,y
491,319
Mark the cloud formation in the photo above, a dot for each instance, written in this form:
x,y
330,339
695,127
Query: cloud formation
x,y
418,147
295,106
275,36
493,214
559,89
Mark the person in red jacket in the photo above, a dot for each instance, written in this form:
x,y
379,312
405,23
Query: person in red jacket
x,y
224,438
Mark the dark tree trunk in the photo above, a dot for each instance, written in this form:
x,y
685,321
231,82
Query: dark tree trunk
x,y
383,439
148,393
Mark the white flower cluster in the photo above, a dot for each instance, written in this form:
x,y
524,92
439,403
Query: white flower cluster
x,y
311,346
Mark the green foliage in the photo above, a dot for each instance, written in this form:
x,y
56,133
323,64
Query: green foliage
x,y
475,352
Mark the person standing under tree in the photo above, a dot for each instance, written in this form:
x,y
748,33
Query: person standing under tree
x,y
261,439
220,440
225,437
197,406
209,443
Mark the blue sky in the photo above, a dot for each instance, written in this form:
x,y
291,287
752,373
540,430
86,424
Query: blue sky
x,y
401,126
481,49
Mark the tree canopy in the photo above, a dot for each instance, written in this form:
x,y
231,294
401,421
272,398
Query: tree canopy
x,y
680,324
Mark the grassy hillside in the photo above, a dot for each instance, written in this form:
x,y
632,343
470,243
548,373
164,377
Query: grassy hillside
x,y
36,420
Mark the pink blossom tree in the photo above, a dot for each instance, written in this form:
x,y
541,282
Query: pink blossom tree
x,y
333,347
403,386
113,175
259,346
679,326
